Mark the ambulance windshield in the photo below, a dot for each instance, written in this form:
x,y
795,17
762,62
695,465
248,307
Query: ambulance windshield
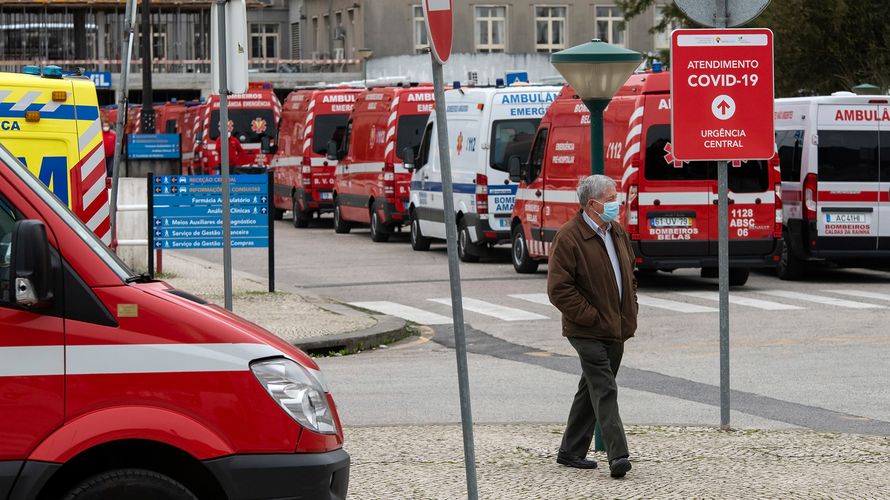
x,y
750,177
410,134
22,172
328,128
248,125
511,138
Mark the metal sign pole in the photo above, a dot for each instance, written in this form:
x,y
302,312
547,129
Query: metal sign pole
x,y
270,209
723,258
126,55
224,154
457,308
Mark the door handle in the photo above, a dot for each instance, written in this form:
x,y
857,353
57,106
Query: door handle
x,y
538,193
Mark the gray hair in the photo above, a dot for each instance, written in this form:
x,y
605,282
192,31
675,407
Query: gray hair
x,y
593,187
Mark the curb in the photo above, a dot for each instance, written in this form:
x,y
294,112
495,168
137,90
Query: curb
x,y
388,329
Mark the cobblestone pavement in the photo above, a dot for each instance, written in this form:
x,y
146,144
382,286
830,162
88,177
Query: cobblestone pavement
x,y
518,461
288,315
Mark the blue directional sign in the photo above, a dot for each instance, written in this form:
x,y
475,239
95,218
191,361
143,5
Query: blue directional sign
x,y
187,211
153,146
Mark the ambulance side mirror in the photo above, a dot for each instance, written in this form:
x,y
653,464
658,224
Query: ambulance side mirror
x,y
266,147
514,167
333,152
410,158
31,276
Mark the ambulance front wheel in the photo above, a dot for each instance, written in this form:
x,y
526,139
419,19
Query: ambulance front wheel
x,y
301,218
522,261
379,233
419,242
467,251
789,266
340,226
132,484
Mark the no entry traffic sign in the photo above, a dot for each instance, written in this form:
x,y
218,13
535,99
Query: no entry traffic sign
x,y
440,26
722,93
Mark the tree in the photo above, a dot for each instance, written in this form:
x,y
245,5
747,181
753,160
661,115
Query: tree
x,y
820,47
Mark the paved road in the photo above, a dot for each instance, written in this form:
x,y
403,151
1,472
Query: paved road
x,y
810,354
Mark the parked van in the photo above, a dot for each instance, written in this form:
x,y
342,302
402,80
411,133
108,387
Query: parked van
x,y
51,123
486,126
118,386
191,140
304,177
669,207
253,120
834,153
371,183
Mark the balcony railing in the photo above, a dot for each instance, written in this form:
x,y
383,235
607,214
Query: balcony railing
x,y
259,65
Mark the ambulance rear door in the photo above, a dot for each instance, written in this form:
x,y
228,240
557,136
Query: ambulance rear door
x,y
849,184
675,197
752,210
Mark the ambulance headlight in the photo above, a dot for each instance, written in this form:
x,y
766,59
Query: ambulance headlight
x,y
300,393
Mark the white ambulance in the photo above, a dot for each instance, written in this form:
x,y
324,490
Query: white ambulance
x,y
486,126
834,153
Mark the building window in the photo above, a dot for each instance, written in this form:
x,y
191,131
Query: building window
x,y
421,43
264,41
663,38
550,28
491,28
316,42
296,41
610,24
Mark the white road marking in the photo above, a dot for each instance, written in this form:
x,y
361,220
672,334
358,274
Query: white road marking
x,y
405,312
744,301
672,305
535,298
861,294
493,310
821,299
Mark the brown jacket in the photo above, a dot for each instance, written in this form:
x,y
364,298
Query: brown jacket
x,y
581,283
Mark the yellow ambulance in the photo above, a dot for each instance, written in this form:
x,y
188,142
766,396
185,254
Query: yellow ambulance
x,y
51,123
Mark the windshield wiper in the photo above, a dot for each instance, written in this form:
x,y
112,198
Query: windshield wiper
x,y
139,278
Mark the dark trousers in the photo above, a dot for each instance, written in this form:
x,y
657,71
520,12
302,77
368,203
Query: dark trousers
x,y
596,400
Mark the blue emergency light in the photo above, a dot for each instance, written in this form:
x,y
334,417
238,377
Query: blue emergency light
x,y
456,85
31,70
52,71
656,66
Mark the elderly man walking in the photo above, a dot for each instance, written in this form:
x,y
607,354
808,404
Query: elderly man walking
x,y
591,281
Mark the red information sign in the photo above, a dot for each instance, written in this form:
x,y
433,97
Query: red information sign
x,y
440,27
722,94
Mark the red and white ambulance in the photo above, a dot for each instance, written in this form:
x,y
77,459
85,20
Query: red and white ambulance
x,y
304,177
116,386
834,153
669,207
253,120
371,185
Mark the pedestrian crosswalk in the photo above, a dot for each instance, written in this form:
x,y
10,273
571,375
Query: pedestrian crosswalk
x,y
537,306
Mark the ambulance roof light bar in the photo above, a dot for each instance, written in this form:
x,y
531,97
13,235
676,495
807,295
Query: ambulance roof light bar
x,y
52,71
31,70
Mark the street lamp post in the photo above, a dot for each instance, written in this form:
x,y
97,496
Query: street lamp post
x,y
364,54
596,70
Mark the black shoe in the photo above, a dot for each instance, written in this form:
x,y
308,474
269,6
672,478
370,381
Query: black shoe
x,y
576,462
619,467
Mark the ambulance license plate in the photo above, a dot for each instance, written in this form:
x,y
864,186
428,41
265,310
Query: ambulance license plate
x,y
671,221
846,218
327,196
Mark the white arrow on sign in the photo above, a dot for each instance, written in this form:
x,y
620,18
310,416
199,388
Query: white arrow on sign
x,y
723,107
